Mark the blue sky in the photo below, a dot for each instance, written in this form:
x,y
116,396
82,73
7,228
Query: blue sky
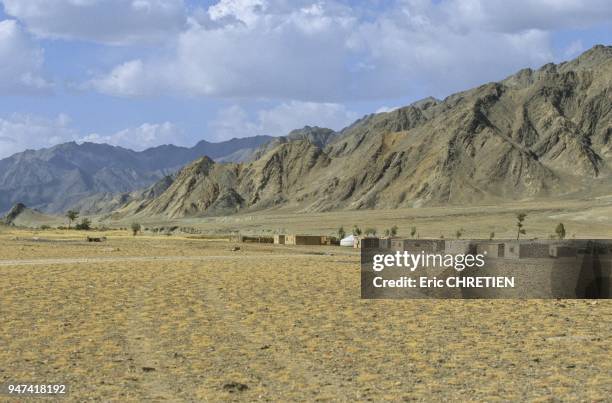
x,y
139,73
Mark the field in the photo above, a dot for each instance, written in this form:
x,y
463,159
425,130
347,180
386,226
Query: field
x,y
169,318
589,218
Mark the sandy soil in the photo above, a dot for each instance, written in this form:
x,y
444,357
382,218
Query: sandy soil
x,y
274,324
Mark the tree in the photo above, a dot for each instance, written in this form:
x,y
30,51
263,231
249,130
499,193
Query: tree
x,y
459,233
491,236
520,218
135,228
393,231
71,215
560,231
413,231
84,225
370,231
341,233
356,231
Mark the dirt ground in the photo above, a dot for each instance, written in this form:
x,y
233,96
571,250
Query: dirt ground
x,y
168,318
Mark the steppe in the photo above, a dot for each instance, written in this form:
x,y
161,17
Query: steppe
x,y
188,318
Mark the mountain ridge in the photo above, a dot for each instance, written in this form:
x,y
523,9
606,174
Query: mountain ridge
x,y
543,133
55,178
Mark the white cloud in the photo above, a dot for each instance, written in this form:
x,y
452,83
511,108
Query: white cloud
x,y
142,137
329,51
384,109
518,15
234,121
21,132
21,61
573,49
116,22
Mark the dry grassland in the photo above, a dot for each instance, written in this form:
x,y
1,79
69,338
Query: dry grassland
x,y
582,219
287,323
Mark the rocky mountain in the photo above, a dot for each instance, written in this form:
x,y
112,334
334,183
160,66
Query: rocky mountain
x,y
21,215
56,178
538,134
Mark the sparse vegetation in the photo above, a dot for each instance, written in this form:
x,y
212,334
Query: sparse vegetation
x,y
413,231
71,215
520,227
459,233
560,231
84,225
491,236
135,228
371,231
341,233
356,230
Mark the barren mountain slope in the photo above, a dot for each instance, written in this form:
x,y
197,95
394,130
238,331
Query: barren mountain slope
x,y
537,134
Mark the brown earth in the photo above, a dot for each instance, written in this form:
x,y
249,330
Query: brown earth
x,y
274,323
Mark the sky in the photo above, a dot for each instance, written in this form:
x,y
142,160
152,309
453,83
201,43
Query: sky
x,y
141,73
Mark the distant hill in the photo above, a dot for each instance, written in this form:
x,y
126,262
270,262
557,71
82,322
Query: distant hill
x,y
539,134
56,178
20,215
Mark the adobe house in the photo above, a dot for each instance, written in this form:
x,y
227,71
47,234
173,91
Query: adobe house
x,y
329,240
526,250
562,251
303,240
279,239
491,249
368,243
418,245
251,238
459,247
385,243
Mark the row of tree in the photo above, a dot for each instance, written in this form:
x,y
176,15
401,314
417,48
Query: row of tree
x,y
520,226
85,223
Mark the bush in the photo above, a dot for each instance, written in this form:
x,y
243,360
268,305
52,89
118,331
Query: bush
x,y
84,225
370,231
135,228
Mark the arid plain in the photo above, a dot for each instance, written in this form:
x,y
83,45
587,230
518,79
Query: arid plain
x,y
189,319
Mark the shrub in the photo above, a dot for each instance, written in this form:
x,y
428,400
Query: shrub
x,y
135,228
84,225
560,231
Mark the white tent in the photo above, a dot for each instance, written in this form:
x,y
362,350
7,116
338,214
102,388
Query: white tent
x,y
348,241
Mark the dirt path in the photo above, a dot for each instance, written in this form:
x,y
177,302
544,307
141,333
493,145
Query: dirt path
x,y
115,259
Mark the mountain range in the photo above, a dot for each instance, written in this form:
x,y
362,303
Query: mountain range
x,y
57,178
538,134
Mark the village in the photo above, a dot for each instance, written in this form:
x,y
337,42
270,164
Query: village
x,y
493,249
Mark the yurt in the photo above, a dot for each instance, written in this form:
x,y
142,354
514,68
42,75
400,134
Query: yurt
x,y
348,241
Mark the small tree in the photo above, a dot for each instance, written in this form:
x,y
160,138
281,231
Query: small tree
x,y
370,231
413,231
84,225
560,231
393,231
387,232
135,228
356,230
491,236
520,218
459,233
341,233
71,215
